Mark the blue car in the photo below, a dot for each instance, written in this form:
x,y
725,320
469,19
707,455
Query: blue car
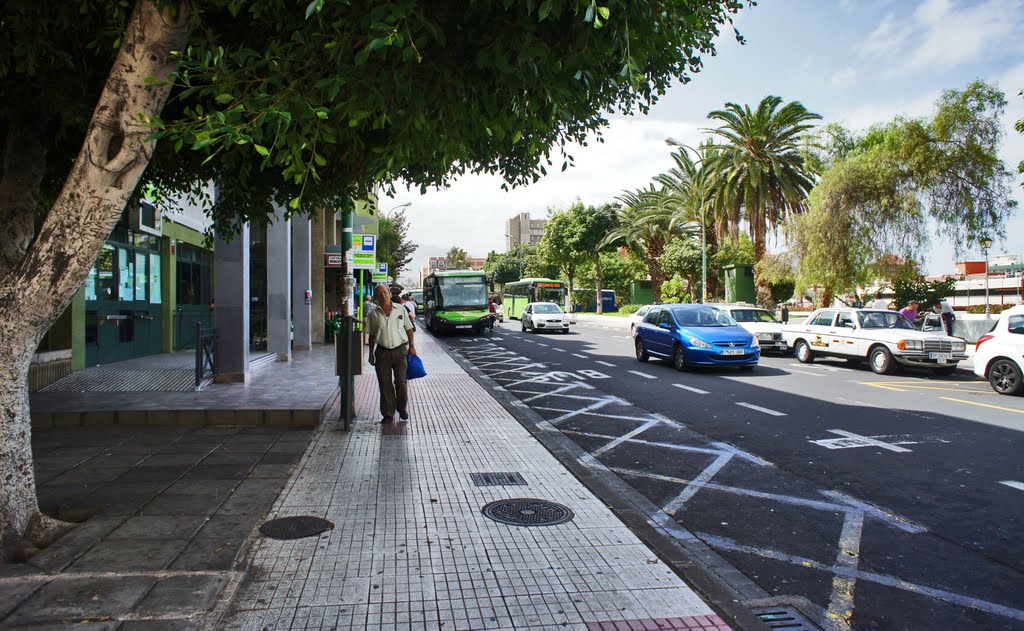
x,y
695,335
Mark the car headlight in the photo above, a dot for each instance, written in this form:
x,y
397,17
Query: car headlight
x,y
910,345
959,347
696,341
754,343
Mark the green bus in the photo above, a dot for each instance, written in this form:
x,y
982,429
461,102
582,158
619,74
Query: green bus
x,y
455,301
521,292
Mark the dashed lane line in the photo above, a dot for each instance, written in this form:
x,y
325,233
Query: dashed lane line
x,y
751,406
543,344
609,364
641,374
580,356
1013,484
690,388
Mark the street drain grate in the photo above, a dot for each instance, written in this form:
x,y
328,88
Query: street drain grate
x,y
295,527
524,511
786,618
499,478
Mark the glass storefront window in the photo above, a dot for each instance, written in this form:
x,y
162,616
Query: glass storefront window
x,y
106,282
155,295
90,285
126,275
141,283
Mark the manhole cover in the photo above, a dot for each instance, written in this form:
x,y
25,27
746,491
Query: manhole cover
x,y
527,512
294,527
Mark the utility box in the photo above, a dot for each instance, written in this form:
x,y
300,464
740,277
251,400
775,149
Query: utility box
x,y
739,283
640,292
355,348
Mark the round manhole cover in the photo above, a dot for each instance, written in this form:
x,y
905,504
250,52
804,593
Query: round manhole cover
x,y
527,512
294,527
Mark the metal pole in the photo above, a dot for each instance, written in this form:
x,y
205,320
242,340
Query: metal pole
x,y
199,354
987,309
348,379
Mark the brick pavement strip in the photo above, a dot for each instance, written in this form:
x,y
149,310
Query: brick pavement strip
x,y
411,549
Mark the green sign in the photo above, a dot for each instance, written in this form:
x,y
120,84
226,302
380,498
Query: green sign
x,y
364,251
380,274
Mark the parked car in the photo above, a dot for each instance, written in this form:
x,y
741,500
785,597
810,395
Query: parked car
x,y
417,297
636,318
544,316
695,335
999,355
760,322
886,339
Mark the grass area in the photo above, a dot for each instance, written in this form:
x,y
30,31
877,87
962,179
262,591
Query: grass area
x,y
614,314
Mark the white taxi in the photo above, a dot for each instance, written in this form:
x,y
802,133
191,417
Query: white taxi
x,y
885,338
760,322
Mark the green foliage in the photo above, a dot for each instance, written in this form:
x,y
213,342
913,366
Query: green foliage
x,y
739,253
457,258
682,259
779,272
575,236
503,267
1019,126
617,272
676,290
393,242
629,309
992,309
916,287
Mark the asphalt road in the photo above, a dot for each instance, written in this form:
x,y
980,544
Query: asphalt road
x,y
869,502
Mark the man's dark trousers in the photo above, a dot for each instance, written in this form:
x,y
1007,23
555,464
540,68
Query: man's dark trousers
x,y
391,365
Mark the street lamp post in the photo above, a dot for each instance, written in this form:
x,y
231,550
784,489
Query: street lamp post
x,y
985,244
672,142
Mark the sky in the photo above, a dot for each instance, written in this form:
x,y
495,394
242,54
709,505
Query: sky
x,y
856,62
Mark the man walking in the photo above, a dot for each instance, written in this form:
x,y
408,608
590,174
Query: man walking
x,y
391,340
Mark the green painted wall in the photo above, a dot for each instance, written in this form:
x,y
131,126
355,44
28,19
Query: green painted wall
x,y
168,292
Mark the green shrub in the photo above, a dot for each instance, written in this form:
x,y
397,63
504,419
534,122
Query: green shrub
x,y
992,308
628,309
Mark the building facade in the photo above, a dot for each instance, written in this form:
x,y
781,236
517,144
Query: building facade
x,y
522,230
436,263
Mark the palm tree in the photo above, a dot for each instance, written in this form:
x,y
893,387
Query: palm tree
x,y
759,174
647,222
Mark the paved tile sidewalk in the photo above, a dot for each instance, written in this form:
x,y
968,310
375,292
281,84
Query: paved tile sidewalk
x,y
411,549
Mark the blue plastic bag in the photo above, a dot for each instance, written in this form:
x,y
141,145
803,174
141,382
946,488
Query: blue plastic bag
x,y
414,368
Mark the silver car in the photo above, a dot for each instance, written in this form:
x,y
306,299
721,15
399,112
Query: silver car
x,y
544,316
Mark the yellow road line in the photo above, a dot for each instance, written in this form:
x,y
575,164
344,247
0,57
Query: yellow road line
x,y
883,385
984,405
900,386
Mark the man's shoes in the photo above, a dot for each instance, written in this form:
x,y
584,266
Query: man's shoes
x,y
387,419
403,414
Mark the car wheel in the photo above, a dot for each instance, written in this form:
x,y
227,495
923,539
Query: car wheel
x,y
533,327
524,325
632,330
679,357
881,360
803,352
1005,377
641,352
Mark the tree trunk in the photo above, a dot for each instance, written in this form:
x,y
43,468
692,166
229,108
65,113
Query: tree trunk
x,y
655,248
35,291
597,282
827,296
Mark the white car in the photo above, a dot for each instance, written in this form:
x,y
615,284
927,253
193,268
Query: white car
x,y
760,322
544,316
885,338
636,318
1000,353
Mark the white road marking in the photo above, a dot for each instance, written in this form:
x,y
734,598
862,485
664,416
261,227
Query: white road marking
x,y
1013,484
543,344
760,409
840,605
804,372
642,374
697,484
850,440
690,388
621,439
560,350
609,364
581,356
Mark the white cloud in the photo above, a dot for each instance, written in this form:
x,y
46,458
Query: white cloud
x,y
862,117
845,77
941,35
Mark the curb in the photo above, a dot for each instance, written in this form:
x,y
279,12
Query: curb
x,y
711,577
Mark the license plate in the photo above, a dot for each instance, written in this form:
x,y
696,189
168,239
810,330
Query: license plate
x,y
733,351
941,357
464,326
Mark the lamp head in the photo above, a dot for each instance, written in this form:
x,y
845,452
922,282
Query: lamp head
x,y
985,243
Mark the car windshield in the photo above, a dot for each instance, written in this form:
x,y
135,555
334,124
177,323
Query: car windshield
x,y
703,317
884,320
752,315
546,308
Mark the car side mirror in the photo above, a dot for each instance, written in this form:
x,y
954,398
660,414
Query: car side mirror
x,y
666,326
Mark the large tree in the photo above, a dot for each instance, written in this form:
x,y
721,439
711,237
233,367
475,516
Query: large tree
x,y
900,182
303,105
759,173
576,235
393,242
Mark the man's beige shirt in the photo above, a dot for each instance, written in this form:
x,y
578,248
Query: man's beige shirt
x,y
390,331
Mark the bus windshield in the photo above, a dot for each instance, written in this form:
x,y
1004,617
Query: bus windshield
x,y
462,292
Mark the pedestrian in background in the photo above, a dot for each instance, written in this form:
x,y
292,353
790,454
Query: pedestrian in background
x,y
879,303
945,311
391,341
910,311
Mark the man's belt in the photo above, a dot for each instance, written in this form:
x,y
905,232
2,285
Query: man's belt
x,y
393,348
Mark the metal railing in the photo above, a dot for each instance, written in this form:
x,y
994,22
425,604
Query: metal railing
x,y
206,354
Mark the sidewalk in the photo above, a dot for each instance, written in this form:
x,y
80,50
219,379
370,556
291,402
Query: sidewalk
x,y
410,548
